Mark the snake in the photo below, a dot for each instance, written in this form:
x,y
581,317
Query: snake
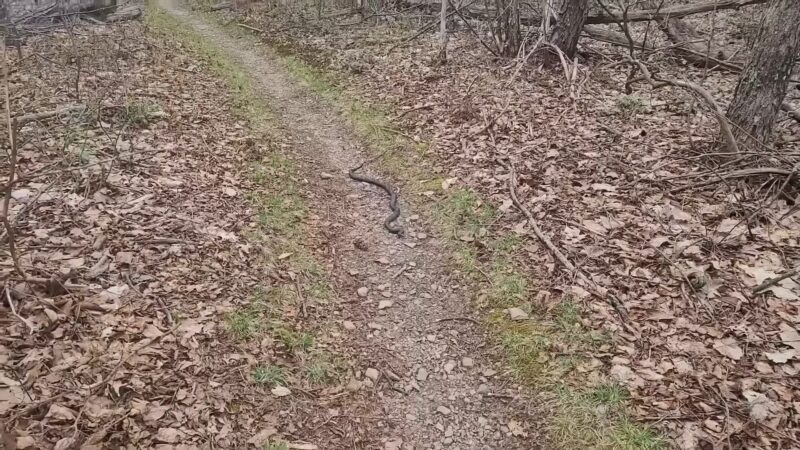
x,y
388,223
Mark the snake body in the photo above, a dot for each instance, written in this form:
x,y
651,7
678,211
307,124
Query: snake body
x,y
388,223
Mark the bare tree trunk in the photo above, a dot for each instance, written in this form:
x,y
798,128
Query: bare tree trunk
x,y
442,58
762,83
506,27
571,18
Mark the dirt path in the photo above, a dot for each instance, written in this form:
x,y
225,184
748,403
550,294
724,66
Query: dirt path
x,y
435,388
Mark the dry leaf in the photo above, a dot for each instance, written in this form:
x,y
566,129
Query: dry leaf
x,y
729,347
261,438
790,336
169,435
780,357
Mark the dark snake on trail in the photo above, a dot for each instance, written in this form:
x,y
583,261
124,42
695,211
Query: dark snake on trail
x,y
392,228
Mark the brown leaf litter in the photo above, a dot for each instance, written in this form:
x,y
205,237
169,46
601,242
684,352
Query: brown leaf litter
x,y
132,225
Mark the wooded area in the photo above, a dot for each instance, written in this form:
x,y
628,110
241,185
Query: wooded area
x,y
592,237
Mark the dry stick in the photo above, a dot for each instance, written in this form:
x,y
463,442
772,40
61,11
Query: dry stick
x,y
769,282
744,173
12,168
158,300
724,126
22,120
610,298
257,30
301,299
14,310
532,221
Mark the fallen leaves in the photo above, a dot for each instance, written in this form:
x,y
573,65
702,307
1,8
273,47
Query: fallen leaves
x,y
729,347
127,241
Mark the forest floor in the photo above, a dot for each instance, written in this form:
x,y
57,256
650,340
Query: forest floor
x,y
200,271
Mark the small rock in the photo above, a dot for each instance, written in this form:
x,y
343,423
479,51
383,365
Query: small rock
x,y
431,337
383,260
422,374
362,291
350,326
449,366
361,245
482,389
374,326
325,175
230,192
517,314
353,386
372,374
393,444
467,362
386,294
383,304
422,236
448,432
443,410
281,391
353,272
24,442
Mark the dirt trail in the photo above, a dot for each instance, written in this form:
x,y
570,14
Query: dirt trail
x,y
436,387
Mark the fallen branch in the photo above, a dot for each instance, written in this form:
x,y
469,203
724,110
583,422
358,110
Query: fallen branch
x,y
770,282
744,173
35,117
221,6
673,12
600,293
425,106
560,257
14,311
257,30
719,114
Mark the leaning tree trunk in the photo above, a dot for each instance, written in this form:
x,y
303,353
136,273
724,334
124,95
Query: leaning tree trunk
x,y
762,83
569,24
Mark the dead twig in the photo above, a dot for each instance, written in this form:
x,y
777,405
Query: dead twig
x,y
14,311
770,282
301,299
248,27
161,305
560,257
35,117
464,319
719,114
744,173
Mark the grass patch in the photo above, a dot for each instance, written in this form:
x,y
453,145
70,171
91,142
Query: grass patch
x,y
508,287
245,323
269,375
319,371
596,419
294,341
